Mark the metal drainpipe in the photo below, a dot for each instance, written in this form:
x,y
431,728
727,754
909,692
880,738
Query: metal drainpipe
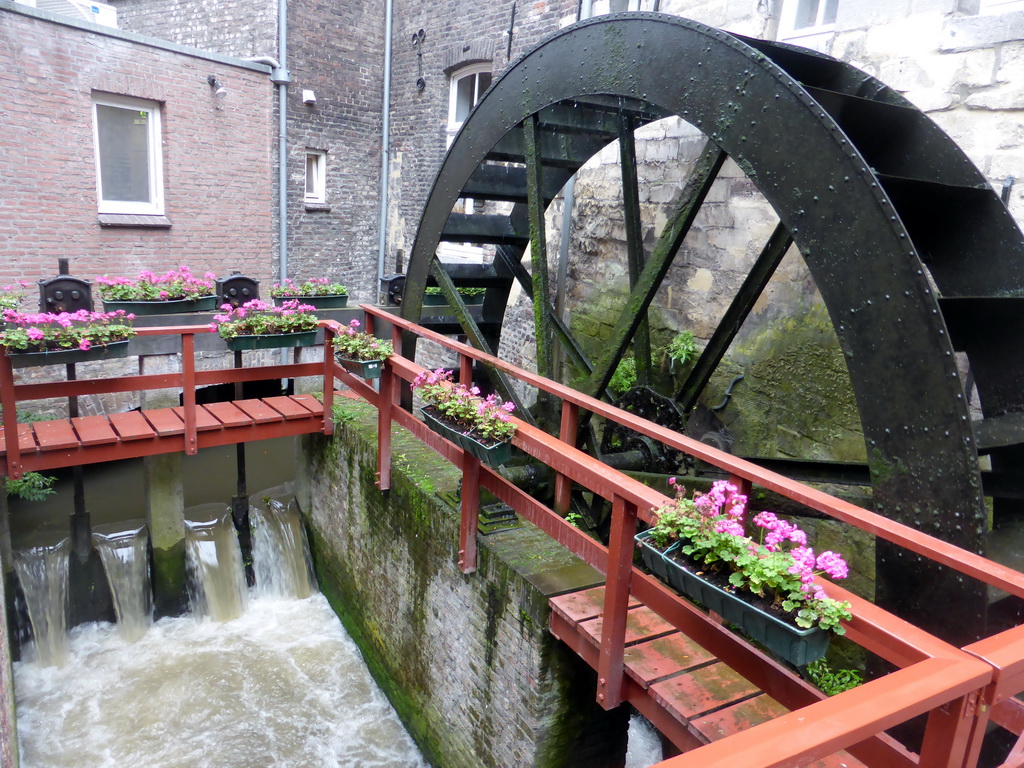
x,y
385,149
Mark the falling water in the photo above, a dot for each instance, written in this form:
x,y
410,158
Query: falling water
x,y
122,548
281,686
216,587
43,573
279,550
644,744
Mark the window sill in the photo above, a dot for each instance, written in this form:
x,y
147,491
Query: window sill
x,y
320,207
145,221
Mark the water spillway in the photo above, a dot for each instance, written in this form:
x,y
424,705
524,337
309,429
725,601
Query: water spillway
x,y
280,558
122,549
216,583
43,573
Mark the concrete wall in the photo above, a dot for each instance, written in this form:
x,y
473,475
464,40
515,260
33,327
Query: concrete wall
x,y
467,661
216,154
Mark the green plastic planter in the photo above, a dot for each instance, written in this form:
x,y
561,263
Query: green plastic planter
x,y
491,455
172,307
111,351
334,301
794,644
272,340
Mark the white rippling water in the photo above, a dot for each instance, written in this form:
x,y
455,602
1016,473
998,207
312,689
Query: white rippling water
x,y
281,686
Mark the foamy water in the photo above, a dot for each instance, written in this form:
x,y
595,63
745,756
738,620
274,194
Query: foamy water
x,y
281,686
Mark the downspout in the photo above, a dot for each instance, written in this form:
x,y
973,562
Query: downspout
x,y
385,149
280,77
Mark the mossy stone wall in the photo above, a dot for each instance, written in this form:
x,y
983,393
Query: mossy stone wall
x,y
466,660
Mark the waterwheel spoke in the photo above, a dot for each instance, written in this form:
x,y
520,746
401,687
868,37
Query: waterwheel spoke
x,y
634,241
649,281
538,246
753,286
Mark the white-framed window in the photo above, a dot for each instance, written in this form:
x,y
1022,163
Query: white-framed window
x,y
807,18
129,168
467,86
1000,6
316,176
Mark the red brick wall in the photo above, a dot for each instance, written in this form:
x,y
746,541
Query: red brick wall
x,y
217,156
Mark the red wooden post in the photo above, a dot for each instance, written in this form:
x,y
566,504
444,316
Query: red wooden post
x,y
188,391
9,400
385,402
563,484
470,512
465,370
947,736
616,603
328,379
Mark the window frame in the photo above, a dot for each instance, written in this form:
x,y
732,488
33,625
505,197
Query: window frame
x,y
319,195
154,153
458,75
787,21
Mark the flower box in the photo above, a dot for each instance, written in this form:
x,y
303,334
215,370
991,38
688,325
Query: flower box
x,y
333,301
112,351
491,455
794,644
164,307
438,299
368,369
271,340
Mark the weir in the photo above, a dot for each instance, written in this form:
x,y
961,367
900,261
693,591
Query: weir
x,y
123,551
216,584
43,574
280,552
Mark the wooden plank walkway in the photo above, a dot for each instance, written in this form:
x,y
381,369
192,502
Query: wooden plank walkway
x,y
707,698
90,439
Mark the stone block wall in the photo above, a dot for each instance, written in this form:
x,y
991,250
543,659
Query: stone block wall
x,y
216,158
466,660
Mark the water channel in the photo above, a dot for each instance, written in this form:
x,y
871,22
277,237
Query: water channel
x,y
255,677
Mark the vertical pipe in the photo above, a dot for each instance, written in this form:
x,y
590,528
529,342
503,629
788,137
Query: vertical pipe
x,y
385,149
282,140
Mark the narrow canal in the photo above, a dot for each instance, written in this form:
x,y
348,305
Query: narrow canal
x,y
279,684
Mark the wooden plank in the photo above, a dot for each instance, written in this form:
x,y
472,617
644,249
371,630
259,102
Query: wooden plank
x,y
94,430
747,714
258,411
131,426
655,660
26,439
641,624
310,403
702,690
204,420
228,415
55,435
586,604
287,407
165,421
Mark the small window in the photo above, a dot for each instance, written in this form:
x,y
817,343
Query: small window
x,y
468,85
316,176
129,171
802,18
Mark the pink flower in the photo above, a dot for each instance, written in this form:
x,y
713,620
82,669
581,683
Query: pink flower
x,y
84,344
35,334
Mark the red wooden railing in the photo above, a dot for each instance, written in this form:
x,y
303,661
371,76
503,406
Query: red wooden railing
x,y
958,689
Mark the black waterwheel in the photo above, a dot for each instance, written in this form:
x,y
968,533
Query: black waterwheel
x,y
913,253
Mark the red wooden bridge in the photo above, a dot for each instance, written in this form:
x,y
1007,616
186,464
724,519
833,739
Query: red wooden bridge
x,y
719,699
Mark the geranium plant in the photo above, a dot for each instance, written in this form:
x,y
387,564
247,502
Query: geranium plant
x,y
774,563
66,330
353,344
316,286
173,285
258,318
12,295
467,290
487,419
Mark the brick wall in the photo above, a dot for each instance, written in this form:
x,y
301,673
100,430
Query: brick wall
x,y
216,158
